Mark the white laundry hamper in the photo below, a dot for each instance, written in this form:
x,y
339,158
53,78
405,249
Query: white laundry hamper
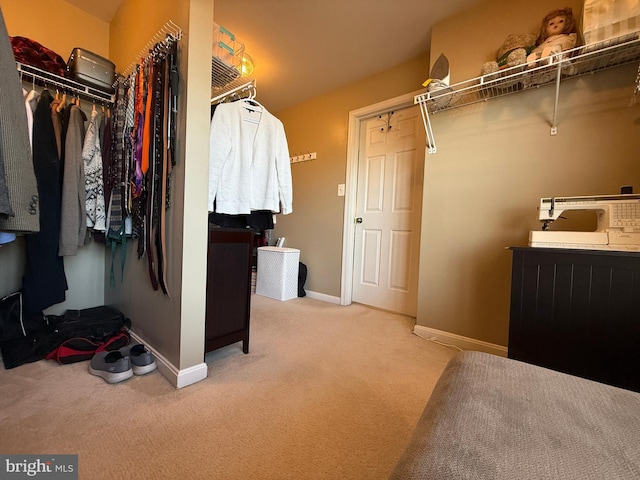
x,y
277,275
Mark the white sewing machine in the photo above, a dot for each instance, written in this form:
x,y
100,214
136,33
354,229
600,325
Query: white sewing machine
x,y
618,226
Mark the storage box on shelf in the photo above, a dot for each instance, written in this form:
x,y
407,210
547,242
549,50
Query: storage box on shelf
x,y
612,21
92,70
226,57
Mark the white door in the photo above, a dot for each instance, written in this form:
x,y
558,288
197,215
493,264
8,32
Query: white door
x,y
389,204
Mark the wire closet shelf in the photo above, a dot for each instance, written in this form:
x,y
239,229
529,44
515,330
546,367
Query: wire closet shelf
x,y
228,67
67,85
569,64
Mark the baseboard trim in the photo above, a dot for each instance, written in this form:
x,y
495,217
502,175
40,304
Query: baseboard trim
x,y
178,378
324,297
465,343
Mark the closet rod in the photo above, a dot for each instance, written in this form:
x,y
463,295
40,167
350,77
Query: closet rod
x,y
65,84
169,32
251,85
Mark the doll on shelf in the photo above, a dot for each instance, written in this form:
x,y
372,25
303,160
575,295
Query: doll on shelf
x,y
557,33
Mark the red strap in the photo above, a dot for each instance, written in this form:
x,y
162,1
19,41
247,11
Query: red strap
x,y
65,354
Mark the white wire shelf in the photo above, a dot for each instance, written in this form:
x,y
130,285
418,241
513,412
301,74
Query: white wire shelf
x,y
67,85
226,58
573,63
236,89
222,73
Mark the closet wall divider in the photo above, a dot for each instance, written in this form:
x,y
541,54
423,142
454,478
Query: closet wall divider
x,y
145,131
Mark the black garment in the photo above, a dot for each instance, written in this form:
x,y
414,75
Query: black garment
x,y
257,220
44,282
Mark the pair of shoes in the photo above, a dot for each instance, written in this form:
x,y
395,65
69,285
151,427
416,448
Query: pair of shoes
x,y
142,361
122,364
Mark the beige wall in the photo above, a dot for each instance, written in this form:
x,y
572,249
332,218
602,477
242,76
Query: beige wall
x,y
57,25
320,125
174,324
494,162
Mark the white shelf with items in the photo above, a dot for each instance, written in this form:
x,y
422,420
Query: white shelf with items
x,y
573,63
231,66
67,85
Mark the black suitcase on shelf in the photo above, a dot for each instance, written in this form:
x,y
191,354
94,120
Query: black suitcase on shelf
x,y
91,70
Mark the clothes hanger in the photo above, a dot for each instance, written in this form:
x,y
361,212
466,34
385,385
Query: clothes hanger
x,y
251,100
63,102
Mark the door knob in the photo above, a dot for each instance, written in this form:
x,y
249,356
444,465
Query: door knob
x,y
359,220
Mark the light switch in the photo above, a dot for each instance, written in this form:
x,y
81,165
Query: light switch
x,y
341,189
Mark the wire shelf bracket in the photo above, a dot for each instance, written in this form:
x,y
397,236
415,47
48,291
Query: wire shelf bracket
x,y
566,65
223,94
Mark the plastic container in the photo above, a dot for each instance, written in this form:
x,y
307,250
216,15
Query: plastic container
x,y
226,57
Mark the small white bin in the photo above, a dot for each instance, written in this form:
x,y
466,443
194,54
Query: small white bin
x,y
278,272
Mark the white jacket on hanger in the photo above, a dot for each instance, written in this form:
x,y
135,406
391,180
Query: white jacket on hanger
x,y
249,165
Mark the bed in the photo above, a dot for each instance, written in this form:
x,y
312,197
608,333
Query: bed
x,y
491,417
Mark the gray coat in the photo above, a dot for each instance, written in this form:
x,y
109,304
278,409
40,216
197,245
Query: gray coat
x,y
17,178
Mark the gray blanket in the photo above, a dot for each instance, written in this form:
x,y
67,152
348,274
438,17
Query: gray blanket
x,y
494,418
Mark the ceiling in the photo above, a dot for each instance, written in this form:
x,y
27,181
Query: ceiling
x,y
103,9
304,48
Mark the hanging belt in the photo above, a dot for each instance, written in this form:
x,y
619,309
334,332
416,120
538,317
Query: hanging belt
x,y
151,181
163,133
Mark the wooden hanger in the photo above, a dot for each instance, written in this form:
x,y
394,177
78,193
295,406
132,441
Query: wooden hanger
x,y
63,102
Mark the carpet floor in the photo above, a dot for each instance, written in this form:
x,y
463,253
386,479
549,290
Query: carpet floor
x,y
326,392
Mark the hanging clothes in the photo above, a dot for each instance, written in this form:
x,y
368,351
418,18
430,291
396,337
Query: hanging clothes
x,y
117,181
142,159
106,136
58,127
73,224
249,166
19,198
31,103
45,283
94,182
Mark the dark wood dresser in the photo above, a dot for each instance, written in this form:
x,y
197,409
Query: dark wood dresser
x,y
578,312
228,311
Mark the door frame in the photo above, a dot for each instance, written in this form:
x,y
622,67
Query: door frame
x,y
356,117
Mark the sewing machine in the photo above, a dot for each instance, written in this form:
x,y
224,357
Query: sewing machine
x,y
618,223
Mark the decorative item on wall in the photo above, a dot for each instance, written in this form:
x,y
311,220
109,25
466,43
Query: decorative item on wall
x,y
305,157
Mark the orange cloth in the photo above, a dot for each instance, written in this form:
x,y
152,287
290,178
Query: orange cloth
x,y
147,131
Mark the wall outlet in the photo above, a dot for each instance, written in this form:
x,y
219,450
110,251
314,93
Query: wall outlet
x,y
341,189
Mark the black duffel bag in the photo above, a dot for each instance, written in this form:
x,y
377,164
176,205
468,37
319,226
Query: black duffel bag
x,y
96,324
14,322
